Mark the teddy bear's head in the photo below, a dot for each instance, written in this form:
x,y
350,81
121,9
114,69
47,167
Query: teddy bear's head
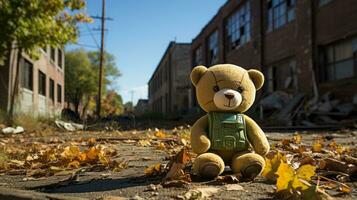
x,y
226,87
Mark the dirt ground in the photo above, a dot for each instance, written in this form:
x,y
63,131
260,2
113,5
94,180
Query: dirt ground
x,y
131,182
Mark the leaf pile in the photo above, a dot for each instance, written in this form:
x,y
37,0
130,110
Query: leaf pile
x,y
40,158
303,171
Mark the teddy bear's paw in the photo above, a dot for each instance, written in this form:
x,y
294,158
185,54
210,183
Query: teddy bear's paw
x,y
209,170
252,171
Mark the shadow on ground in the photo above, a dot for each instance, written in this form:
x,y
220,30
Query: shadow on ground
x,y
100,185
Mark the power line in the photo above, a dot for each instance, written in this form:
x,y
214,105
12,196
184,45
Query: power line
x,y
91,34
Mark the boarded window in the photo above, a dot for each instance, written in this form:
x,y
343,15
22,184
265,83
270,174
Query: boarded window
x,y
27,75
238,27
213,48
59,93
52,90
41,83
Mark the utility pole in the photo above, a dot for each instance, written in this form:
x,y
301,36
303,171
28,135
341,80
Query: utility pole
x,y
101,61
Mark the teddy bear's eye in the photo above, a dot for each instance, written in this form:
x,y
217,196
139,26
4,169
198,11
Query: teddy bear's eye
x,y
216,88
240,89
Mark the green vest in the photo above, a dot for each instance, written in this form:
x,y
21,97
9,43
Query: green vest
x,y
227,131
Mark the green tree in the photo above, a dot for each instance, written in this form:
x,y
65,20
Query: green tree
x,y
27,25
110,70
112,104
80,78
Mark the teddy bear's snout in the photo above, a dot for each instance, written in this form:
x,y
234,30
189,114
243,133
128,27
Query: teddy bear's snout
x,y
229,95
227,99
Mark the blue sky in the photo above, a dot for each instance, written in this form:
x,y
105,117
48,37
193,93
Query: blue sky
x,y
140,33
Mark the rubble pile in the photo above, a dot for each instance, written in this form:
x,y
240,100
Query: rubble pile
x,y
281,109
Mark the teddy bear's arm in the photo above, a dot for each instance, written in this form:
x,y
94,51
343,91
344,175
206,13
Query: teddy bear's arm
x,y
199,140
256,137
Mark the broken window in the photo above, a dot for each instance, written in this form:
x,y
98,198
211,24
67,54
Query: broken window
x,y
198,56
27,75
59,93
339,60
238,27
52,89
279,13
213,48
282,76
41,83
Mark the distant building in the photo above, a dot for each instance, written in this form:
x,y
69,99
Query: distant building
x,y
297,44
169,85
141,107
41,83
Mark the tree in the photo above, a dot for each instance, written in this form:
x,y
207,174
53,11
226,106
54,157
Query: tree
x,y
112,104
80,78
27,25
110,70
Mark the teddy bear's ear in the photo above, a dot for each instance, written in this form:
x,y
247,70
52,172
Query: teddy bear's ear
x,y
197,73
257,77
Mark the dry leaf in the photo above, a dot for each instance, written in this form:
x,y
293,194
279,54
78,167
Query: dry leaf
x,y
153,170
290,179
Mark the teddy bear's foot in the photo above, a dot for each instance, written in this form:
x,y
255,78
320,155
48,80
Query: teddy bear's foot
x,y
208,165
250,165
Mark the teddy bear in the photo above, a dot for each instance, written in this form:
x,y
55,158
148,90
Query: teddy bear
x,y
225,136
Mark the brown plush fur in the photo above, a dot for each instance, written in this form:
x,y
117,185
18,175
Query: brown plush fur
x,y
211,163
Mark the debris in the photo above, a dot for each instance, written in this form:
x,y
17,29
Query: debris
x,y
231,187
68,126
200,193
11,130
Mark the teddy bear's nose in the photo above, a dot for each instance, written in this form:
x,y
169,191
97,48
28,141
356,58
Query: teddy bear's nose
x,y
229,96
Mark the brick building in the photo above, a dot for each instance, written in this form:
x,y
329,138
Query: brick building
x,y
169,85
307,46
41,83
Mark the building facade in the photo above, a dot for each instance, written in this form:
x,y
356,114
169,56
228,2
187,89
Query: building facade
x,y
169,85
307,46
41,83
142,107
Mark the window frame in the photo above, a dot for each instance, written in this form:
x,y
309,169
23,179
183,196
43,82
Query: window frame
x,y
325,63
27,69
59,93
240,18
213,50
42,83
198,56
52,89
275,13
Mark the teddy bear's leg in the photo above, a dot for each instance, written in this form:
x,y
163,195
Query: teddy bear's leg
x,y
208,165
249,165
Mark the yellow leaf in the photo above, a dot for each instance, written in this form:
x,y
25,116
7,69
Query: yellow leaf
x,y
160,134
271,166
286,175
91,141
297,139
144,143
92,153
160,146
305,172
73,164
153,169
71,152
289,179
317,145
